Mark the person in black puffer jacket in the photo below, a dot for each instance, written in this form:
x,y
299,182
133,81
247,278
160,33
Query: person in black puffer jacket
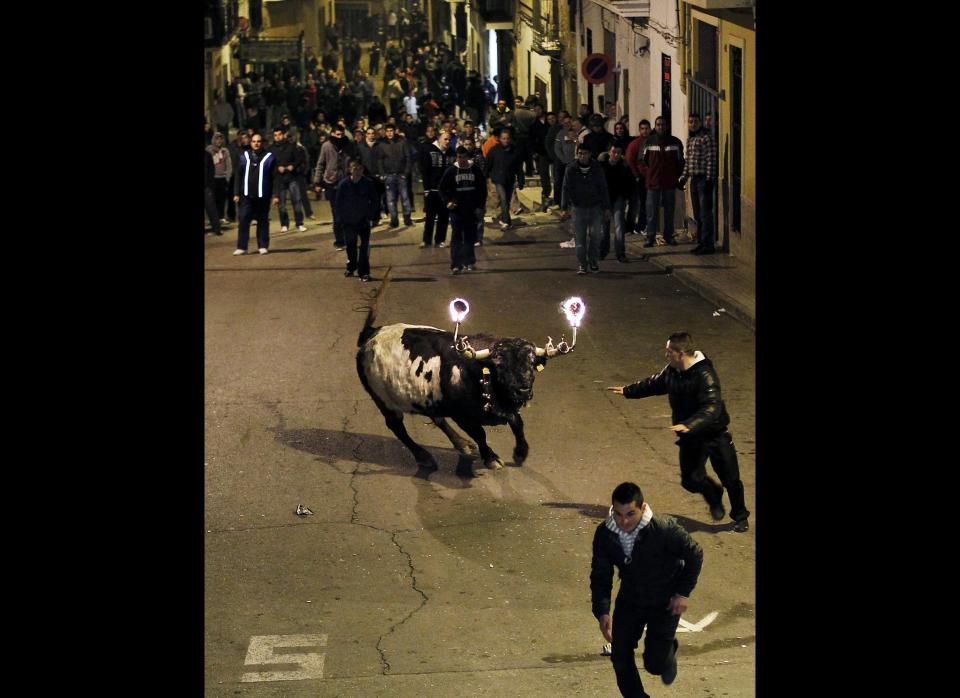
x,y
659,564
700,420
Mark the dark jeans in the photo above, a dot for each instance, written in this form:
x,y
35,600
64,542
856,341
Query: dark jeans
x,y
701,195
437,214
543,167
659,645
617,207
637,212
220,187
293,189
505,192
723,457
351,233
655,199
338,241
559,168
248,210
464,234
304,199
210,204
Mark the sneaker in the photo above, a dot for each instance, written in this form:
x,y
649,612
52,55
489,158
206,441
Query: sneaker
x,y
263,250
717,512
569,244
302,228
440,244
283,228
649,243
594,268
365,278
469,267
670,673
348,272
340,248
408,222
237,253
582,270
422,245
393,224
454,271
478,243
741,526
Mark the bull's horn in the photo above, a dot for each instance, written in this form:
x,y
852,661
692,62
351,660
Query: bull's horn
x,y
468,352
548,350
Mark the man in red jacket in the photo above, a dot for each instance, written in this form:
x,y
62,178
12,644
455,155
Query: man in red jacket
x,y
661,166
637,212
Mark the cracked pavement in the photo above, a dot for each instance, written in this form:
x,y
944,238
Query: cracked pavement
x,y
436,585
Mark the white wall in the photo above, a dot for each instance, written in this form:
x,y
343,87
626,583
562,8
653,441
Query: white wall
x,y
663,19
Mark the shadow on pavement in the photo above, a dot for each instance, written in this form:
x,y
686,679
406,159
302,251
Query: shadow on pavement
x,y
594,511
692,526
383,452
292,249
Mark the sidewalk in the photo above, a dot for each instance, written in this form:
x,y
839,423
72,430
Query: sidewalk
x,y
721,279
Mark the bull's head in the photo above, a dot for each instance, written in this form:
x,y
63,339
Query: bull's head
x,y
514,363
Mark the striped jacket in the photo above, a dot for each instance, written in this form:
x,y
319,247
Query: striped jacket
x,y
701,155
256,177
662,161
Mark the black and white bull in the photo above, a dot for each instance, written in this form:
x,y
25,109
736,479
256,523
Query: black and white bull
x,y
417,369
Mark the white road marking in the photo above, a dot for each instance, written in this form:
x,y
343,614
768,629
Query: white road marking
x,y
261,651
686,627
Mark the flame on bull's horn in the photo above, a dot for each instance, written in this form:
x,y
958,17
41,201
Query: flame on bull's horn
x,y
459,309
574,308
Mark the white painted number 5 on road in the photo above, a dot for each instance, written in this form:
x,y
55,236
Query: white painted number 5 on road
x,y
263,650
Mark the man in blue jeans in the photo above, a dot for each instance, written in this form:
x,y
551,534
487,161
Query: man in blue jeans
x,y
392,162
621,185
504,165
701,169
661,166
285,152
463,190
585,188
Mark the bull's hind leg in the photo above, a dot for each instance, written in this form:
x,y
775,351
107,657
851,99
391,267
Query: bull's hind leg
x,y
475,431
521,449
395,424
464,446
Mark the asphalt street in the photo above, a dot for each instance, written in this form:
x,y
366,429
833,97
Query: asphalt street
x,y
402,585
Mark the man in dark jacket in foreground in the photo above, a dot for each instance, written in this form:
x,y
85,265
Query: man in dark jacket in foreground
x,y
659,565
357,206
700,420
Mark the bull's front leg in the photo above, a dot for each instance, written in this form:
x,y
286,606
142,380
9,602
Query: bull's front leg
x,y
521,449
475,431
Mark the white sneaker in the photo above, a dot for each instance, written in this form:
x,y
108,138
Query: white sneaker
x,y
441,244
283,228
263,250
237,253
302,228
572,242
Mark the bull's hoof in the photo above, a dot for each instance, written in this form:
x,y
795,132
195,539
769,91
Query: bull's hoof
x,y
494,463
519,456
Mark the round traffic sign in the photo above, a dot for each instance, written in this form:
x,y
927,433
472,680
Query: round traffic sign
x,y
597,68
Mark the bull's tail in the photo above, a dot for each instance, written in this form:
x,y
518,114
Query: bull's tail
x,y
367,330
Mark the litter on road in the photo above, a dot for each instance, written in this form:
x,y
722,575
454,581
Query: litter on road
x,y
303,511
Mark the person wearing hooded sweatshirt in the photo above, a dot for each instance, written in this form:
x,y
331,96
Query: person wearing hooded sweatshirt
x,y
236,147
223,171
659,565
585,188
331,168
463,189
356,205
286,154
254,181
433,163
210,202
700,421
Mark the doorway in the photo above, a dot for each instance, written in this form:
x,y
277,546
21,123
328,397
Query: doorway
x,y
736,134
